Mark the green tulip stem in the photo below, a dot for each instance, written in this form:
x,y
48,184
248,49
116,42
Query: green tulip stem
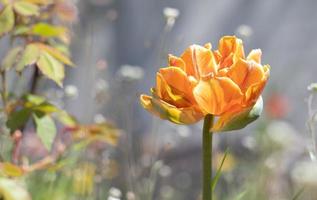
x,y
207,157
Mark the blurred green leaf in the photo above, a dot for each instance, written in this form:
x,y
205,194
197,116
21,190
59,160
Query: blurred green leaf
x,y
20,30
26,8
11,57
34,99
18,118
239,120
51,68
45,129
6,20
39,104
56,54
11,190
48,30
218,173
64,49
29,57
66,118
11,170
40,2
46,108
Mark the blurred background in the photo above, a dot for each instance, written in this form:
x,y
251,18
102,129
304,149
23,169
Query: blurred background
x,y
118,45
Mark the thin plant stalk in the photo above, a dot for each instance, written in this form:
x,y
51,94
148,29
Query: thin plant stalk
x,y
207,157
4,90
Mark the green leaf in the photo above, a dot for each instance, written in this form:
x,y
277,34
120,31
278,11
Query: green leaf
x,y
51,68
45,108
29,57
34,99
218,173
18,118
45,129
11,57
56,54
11,170
65,118
48,30
26,8
20,30
239,120
6,20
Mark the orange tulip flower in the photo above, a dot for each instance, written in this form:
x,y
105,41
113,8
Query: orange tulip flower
x,y
222,82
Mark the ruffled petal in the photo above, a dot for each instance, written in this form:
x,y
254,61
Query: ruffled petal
x,y
254,91
238,118
246,73
208,46
200,61
217,95
176,62
188,58
178,81
255,55
188,115
205,61
255,74
231,44
169,94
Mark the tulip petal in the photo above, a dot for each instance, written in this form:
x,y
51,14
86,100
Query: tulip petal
x,y
178,81
255,75
254,91
176,62
200,61
188,115
187,57
218,95
238,72
208,46
205,61
246,73
238,120
231,44
255,55
169,94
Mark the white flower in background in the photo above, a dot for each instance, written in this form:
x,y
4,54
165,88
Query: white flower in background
x,y
114,194
171,15
305,173
282,133
130,73
183,131
165,171
244,31
71,91
130,196
312,87
249,142
99,118
101,85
